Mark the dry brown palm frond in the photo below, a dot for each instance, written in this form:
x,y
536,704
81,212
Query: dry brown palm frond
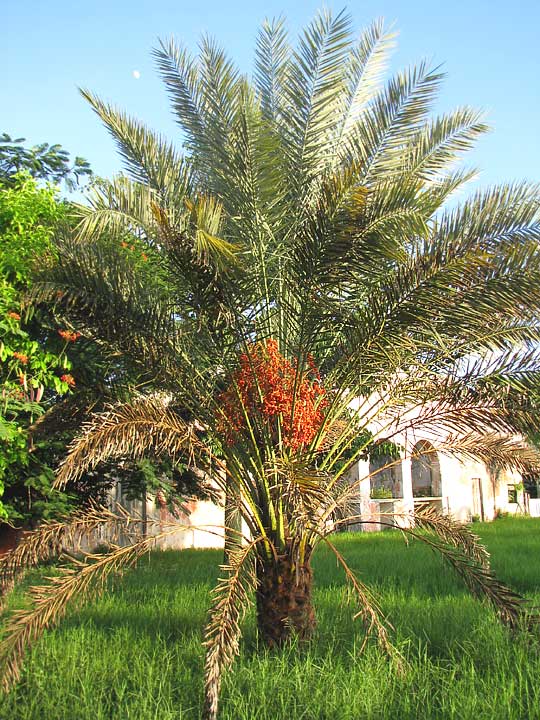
x,y
466,555
82,582
510,606
132,429
479,431
451,532
302,488
231,600
504,452
370,613
48,540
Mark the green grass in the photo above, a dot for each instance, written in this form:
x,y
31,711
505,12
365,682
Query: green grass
x,y
136,653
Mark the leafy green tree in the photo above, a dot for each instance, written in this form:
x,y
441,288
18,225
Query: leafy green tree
x,y
43,162
29,370
46,394
315,291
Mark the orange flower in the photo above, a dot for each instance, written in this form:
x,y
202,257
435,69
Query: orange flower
x,y
124,244
144,256
14,315
69,336
68,379
21,357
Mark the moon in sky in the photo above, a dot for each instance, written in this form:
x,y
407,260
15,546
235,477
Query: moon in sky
x,y
136,74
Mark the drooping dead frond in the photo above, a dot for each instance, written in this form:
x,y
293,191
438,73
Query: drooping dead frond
x,y
464,554
370,613
52,536
232,597
132,429
507,453
84,581
452,533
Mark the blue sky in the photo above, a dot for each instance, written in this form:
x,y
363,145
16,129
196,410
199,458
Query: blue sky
x,y
489,50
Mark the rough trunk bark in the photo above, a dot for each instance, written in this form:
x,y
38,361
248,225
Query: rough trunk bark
x,y
284,603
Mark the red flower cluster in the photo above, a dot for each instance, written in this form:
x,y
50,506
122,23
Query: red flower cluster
x,y
68,379
21,357
264,386
69,336
14,315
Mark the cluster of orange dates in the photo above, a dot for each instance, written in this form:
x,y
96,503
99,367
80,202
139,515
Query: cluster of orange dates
x,y
267,387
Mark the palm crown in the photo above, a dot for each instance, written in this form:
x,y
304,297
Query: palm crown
x,y
301,257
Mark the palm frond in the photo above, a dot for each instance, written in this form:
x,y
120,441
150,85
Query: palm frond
x,y
180,75
365,67
48,540
110,294
118,207
49,602
464,554
313,88
130,429
232,597
271,67
452,533
149,157
390,121
437,145
204,93
301,488
370,614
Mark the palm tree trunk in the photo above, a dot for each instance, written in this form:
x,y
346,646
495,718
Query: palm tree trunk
x,y
284,602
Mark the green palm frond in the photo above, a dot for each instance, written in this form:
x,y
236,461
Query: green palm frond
x,y
364,71
440,143
206,215
204,93
313,90
149,158
180,75
391,120
109,293
271,67
118,207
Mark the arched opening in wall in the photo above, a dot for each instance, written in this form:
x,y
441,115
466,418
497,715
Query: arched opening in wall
x,y
386,477
426,472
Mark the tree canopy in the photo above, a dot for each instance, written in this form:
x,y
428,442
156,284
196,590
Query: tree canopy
x,y
42,162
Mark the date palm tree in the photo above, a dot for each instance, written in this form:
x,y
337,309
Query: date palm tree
x,y
296,285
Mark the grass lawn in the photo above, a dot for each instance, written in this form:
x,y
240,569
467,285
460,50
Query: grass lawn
x,y
136,653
